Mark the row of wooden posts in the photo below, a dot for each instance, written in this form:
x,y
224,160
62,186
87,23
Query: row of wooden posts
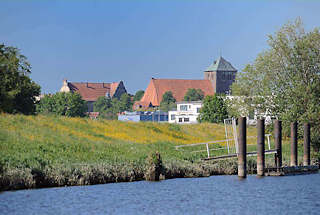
x,y
242,144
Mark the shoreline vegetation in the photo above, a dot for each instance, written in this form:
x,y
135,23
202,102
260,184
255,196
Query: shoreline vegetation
x,y
50,151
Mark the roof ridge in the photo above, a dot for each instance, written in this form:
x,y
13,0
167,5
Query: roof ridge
x,y
178,79
91,82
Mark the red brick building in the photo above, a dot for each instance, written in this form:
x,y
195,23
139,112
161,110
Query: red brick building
x,y
218,78
157,87
90,92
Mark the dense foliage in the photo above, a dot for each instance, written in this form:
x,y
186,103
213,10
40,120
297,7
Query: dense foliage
x,y
17,90
102,105
168,102
125,103
63,104
214,109
138,95
194,95
109,108
285,79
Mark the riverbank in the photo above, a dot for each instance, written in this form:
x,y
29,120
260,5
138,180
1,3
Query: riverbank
x,y
91,174
49,151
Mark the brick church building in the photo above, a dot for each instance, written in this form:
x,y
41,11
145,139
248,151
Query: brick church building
x,y
218,78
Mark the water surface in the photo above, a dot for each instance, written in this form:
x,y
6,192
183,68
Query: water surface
x,y
212,195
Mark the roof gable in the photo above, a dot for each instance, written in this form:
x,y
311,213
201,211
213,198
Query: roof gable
x,y
178,87
221,65
113,88
150,94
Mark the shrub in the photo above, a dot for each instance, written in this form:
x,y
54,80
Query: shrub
x,y
64,104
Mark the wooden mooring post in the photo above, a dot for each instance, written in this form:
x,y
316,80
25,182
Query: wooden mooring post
x,y
242,150
294,144
306,145
278,142
260,147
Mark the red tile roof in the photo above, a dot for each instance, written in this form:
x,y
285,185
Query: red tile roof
x,y
92,91
178,87
113,88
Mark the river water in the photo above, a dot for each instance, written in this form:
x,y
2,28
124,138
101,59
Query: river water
x,y
212,195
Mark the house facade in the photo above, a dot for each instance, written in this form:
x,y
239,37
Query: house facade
x,y
218,78
186,113
90,92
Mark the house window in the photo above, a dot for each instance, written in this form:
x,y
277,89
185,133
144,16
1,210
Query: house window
x,y
184,107
198,110
180,119
186,119
173,117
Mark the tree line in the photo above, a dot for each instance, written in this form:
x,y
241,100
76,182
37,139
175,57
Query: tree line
x,y
283,81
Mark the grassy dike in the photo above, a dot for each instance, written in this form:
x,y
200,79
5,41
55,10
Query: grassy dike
x,y
49,151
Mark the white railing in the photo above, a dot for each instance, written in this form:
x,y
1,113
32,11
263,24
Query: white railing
x,y
221,148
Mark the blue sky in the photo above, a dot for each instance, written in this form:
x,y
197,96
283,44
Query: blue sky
x,y
133,41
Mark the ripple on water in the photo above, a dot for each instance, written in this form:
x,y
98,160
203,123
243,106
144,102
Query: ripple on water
x,y
213,195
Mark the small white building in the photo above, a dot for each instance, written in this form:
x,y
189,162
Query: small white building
x,y
187,112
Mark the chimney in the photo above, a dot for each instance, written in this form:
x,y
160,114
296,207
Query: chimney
x,y
87,84
65,82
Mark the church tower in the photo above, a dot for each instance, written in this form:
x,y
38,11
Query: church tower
x,y
221,74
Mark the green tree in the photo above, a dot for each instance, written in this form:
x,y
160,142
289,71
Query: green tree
x,y
64,104
138,95
285,79
17,90
194,95
214,109
109,108
125,103
102,105
167,102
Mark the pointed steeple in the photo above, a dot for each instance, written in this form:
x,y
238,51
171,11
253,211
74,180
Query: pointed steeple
x,y
221,65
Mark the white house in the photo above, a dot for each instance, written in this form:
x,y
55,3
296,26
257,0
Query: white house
x,y
187,112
